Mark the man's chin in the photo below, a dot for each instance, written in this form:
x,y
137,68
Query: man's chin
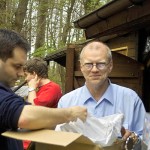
x,y
7,84
95,82
12,83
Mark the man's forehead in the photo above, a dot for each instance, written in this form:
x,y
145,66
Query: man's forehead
x,y
95,46
19,53
95,51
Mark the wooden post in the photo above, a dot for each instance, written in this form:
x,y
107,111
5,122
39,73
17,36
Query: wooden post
x,y
70,54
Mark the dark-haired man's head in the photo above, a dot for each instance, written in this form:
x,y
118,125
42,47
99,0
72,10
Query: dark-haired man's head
x,y
13,55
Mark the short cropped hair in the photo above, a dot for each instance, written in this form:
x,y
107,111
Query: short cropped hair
x,y
109,54
9,40
37,65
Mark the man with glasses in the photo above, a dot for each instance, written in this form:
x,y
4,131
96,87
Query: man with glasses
x,y
100,96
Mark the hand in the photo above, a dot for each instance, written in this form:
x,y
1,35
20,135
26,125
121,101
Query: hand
x,y
77,112
33,83
126,134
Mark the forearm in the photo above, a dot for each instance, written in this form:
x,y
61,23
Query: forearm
x,y
31,97
40,117
32,86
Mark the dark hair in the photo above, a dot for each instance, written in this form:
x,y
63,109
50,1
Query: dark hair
x,y
10,40
37,65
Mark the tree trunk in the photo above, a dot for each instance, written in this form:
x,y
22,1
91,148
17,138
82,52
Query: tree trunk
x,y
68,22
41,24
20,15
2,13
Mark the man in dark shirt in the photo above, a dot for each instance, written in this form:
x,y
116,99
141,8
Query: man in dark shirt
x,y
9,119
14,112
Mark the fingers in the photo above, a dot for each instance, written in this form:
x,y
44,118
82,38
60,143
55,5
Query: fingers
x,y
34,82
37,79
123,130
78,112
125,133
84,115
128,134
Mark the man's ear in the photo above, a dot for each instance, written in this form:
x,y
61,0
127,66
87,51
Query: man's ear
x,y
81,67
110,66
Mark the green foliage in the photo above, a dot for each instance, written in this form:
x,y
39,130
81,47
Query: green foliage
x,y
92,5
53,74
43,51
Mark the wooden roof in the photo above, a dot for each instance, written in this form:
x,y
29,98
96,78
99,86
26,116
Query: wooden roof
x,y
116,17
58,56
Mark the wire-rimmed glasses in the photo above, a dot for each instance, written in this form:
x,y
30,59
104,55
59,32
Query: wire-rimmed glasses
x,y
99,65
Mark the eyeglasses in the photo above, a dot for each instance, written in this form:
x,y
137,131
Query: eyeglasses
x,y
99,66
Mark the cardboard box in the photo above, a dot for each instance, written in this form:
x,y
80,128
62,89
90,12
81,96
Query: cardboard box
x,y
50,140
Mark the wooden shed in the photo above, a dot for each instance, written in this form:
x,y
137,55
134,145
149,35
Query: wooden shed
x,y
124,25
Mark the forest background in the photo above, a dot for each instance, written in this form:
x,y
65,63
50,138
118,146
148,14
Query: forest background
x,y
47,25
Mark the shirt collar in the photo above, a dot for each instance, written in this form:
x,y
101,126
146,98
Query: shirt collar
x,y
108,95
85,94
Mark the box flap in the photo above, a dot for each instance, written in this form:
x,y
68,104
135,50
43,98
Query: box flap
x,y
84,140
59,139
44,136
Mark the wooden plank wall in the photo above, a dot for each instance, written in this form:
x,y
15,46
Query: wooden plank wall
x,y
129,40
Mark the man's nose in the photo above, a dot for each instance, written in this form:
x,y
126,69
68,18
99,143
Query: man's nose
x,y
94,68
21,73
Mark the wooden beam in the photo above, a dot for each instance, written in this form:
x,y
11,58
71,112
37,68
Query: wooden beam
x,y
69,86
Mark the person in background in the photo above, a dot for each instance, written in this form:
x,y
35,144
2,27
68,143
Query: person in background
x,y
41,91
14,111
100,96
